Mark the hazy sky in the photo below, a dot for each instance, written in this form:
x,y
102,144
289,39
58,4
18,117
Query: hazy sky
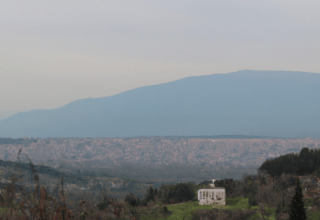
x,y
54,52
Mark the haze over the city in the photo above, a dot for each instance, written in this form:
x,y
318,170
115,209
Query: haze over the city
x,y
56,52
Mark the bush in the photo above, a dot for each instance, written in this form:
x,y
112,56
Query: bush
x,y
251,200
181,192
132,200
224,214
233,201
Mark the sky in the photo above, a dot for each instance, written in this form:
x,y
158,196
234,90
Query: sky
x,y
55,52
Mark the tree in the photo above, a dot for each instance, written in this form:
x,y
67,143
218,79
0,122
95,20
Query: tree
x,y
132,200
297,211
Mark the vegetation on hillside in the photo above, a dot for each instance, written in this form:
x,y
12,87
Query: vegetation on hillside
x,y
304,163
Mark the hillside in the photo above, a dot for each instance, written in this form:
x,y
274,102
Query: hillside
x,y
76,184
260,103
304,163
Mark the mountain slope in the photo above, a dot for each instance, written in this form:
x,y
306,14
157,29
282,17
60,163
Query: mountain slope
x,y
275,103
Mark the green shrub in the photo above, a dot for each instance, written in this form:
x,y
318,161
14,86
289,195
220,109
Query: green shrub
x,y
251,200
233,201
313,215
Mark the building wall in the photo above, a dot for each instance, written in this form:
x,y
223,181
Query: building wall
x,y
212,196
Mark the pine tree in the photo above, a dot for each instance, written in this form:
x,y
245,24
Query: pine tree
x,y
297,211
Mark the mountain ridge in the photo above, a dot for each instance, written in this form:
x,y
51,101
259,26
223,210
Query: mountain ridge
x,y
248,102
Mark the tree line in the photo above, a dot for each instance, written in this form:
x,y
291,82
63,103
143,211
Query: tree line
x,y
304,163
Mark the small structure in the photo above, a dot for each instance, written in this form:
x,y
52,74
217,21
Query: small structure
x,y
215,195
212,184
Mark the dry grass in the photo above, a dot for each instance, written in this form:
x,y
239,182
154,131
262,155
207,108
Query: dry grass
x,y
35,203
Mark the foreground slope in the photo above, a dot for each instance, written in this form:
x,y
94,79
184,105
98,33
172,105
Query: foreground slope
x,y
268,103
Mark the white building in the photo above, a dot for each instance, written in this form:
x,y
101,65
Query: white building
x,y
215,195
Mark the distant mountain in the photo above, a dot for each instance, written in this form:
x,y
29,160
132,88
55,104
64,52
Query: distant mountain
x,y
258,103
